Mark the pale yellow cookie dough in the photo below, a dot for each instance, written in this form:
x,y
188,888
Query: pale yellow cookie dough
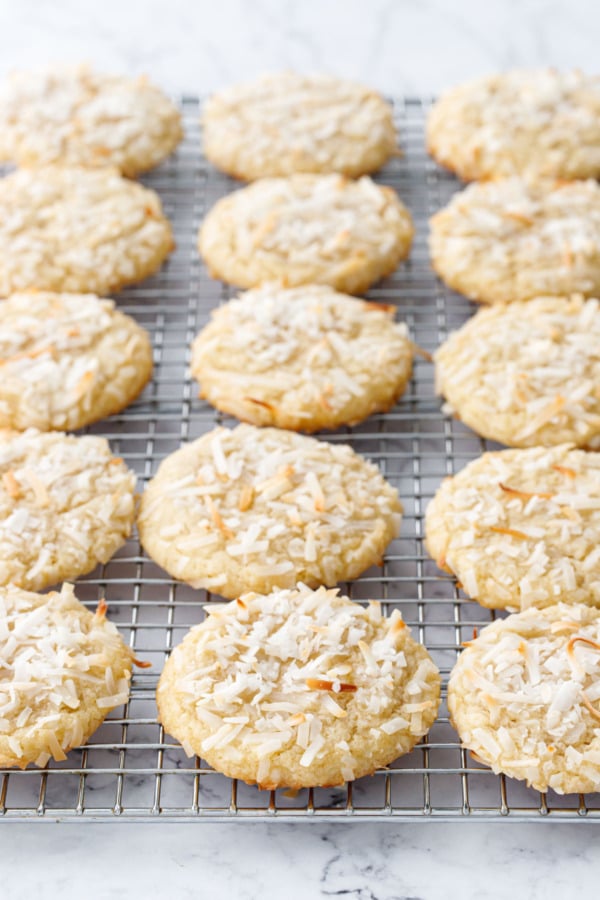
x,y
258,508
67,360
302,358
512,239
283,123
521,528
63,670
305,229
66,504
73,116
78,231
521,122
527,374
524,697
298,688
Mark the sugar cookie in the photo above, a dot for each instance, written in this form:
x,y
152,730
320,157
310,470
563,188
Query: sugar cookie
x,y
298,688
302,358
258,508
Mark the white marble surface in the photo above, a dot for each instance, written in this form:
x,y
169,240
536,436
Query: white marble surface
x,y
396,45
399,46
245,862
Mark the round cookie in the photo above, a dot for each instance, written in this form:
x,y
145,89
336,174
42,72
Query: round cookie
x,y
302,358
66,504
78,230
298,688
259,508
508,240
285,123
321,229
67,360
522,122
73,116
63,670
527,374
524,697
520,528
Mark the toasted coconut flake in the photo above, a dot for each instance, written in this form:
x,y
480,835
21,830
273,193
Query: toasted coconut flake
x,y
443,565
425,354
318,684
217,520
511,532
11,485
246,498
519,217
371,305
142,663
270,406
565,470
582,640
101,608
525,495
586,702
397,624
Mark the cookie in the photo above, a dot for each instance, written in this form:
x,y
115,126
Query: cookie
x,y
78,231
63,670
298,688
73,116
524,697
302,358
285,123
512,239
66,504
67,360
321,229
252,509
521,528
527,374
522,122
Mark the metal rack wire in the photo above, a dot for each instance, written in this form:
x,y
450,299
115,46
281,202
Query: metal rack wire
x,y
132,771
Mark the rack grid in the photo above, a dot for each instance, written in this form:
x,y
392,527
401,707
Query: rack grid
x,y
130,770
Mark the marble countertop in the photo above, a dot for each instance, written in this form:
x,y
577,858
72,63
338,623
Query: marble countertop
x,y
399,46
366,861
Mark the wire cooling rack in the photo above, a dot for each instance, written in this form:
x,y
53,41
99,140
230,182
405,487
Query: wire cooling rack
x,y
132,771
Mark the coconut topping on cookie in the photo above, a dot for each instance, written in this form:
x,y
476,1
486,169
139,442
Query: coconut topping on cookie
x,y
534,122
78,230
298,688
257,508
302,358
306,229
528,373
73,116
511,239
524,697
284,123
66,504
521,528
62,670
67,360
